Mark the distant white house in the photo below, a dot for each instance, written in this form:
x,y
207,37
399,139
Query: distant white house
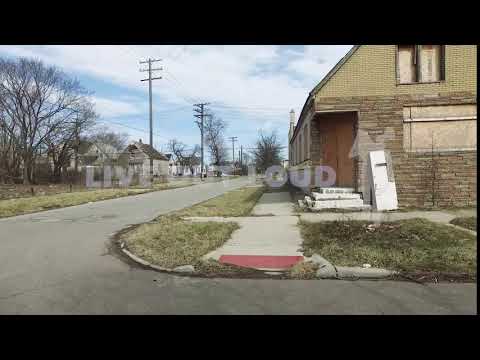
x,y
175,168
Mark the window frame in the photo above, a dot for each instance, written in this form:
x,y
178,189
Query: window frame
x,y
443,67
435,120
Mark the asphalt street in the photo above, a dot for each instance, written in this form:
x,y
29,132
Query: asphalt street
x,y
59,262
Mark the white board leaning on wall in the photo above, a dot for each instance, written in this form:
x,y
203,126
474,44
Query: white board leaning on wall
x,y
384,191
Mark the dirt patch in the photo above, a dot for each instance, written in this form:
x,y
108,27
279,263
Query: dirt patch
x,y
425,277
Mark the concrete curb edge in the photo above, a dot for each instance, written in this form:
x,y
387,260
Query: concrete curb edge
x,y
145,263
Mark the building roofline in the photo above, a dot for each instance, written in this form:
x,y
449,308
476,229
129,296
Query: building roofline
x,y
321,84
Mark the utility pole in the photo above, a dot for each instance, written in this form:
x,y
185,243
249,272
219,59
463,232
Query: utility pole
x,y
77,145
241,159
200,109
233,139
150,79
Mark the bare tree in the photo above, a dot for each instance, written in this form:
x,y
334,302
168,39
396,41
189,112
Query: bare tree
x,y
214,128
184,156
9,157
103,136
267,151
36,101
64,142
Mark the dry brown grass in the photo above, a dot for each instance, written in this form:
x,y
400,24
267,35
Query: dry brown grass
x,y
304,271
406,245
233,203
466,222
60,197
171,242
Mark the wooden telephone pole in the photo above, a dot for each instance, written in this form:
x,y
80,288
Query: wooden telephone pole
x,y
233,139
150,79
201,114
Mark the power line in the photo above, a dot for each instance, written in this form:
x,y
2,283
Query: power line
x,y
181,85
173,110
251,107
132,127
186,98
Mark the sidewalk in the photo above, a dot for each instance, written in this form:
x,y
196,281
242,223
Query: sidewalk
x,y
268,240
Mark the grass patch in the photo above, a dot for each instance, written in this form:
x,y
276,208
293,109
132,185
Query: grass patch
x,y
32,204
171,242
466,222
407,245
20,206
15,191
233,203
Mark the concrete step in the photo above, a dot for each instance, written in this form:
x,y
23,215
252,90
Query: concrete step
x,y
345,196
334,190
363,207
337,204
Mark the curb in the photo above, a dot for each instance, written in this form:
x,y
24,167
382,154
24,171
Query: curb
x,y
345,272
339,273
145,263
328,270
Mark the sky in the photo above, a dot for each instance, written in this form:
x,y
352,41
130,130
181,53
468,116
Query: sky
x,y
251,87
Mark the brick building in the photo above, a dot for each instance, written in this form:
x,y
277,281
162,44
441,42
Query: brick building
x,y
416,101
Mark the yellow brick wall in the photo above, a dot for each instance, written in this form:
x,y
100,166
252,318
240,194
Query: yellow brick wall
x,y
371,71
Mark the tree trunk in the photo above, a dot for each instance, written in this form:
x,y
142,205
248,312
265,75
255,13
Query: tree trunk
x,y
26,177
57,172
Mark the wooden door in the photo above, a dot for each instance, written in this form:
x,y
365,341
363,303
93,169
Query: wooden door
x,y
344,132
329,157
337,131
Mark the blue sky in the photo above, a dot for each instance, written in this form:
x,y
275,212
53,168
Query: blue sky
x,y
252,87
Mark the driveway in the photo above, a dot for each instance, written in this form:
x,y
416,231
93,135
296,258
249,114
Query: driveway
x,y
57,262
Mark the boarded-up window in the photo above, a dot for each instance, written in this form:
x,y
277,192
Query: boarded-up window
x,y
406,64
429,63
446,127
420,63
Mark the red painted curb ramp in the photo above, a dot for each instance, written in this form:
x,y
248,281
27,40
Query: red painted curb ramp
x,y
261,261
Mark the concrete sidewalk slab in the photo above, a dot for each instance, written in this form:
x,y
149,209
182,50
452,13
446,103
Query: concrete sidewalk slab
x,y
277,204
268,236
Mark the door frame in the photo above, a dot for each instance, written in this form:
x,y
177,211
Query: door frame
x,y
355,113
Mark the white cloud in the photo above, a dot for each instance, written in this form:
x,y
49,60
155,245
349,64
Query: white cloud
x,y
316,61
108,108
230,75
